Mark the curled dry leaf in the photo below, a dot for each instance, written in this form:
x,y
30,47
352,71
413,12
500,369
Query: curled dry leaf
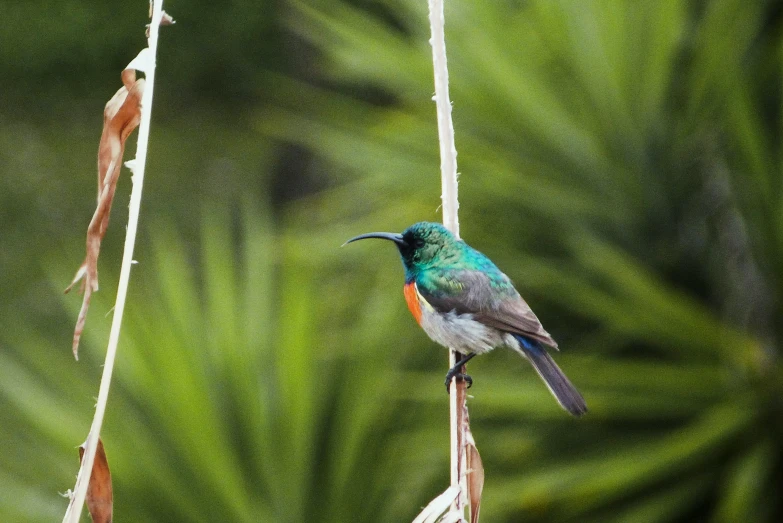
x,y
433,511
165,19
474,475
100,500
120,117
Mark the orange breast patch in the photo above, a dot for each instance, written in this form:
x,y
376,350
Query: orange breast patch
x,y
412,299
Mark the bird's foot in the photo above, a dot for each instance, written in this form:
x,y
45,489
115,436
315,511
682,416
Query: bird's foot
x,y
453,373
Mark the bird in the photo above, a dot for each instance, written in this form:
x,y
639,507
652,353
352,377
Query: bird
x,y
463,301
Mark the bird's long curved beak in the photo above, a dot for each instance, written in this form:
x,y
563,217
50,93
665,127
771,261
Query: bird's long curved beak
x,y
395,237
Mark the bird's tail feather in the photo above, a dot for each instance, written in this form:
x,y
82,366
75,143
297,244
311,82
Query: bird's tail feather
x,y
561,388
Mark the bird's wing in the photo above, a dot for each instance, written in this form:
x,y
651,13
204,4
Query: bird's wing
x,y
491,298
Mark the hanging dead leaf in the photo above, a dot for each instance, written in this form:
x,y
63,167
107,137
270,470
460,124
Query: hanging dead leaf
x,y
120,117
475,475
165,19
100,499
438,506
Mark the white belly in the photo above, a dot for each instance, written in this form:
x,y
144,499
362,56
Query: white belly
x,y
462,333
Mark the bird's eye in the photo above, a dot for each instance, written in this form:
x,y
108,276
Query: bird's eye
x,y
418,243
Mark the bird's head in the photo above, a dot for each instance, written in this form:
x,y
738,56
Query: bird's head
x,y
422,245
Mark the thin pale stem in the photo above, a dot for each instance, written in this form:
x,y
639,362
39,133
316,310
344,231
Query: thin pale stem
x,y
448,151
73,513
450,204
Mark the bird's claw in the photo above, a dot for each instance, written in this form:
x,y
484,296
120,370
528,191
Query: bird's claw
x,y
460,376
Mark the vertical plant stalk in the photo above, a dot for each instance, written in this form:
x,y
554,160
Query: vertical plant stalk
x,y
448,151
450,203
145,62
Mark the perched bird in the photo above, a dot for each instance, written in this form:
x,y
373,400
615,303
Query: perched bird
x,y
463,301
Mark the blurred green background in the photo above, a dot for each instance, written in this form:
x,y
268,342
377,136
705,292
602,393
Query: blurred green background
x,y
620,160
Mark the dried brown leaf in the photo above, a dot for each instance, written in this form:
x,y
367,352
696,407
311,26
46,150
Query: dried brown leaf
x,y
100,499
474,475
165,19
433,511
120,117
